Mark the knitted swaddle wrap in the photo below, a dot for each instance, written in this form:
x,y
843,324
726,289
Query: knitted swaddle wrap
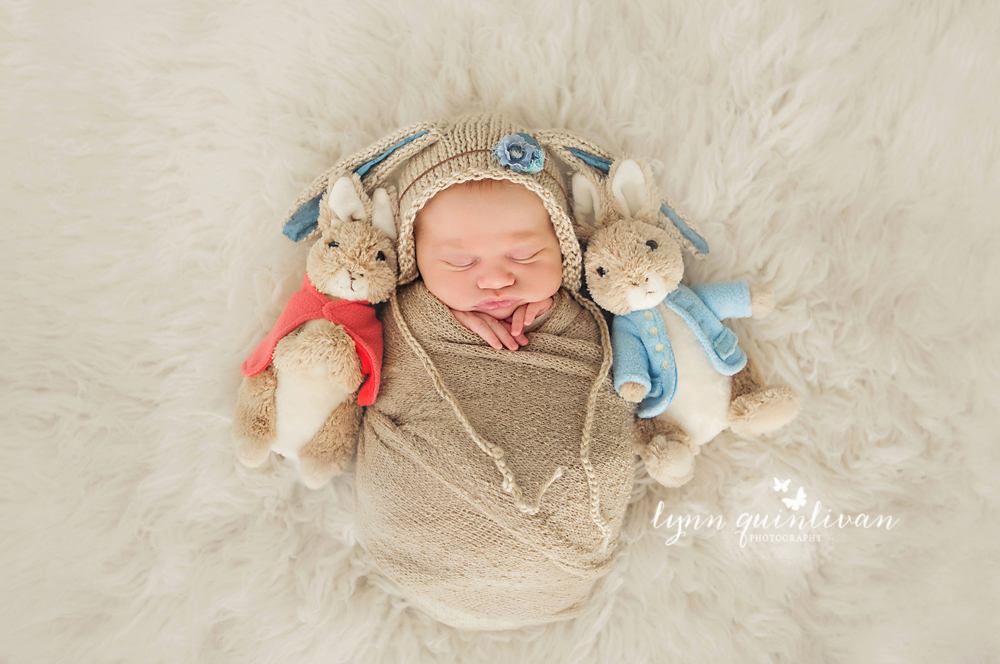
x,y
431,506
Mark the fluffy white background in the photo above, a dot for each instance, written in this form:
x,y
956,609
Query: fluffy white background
x,y
845,152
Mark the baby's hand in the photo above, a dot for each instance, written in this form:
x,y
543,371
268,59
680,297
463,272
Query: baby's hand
x,y
496,333
508,332
526,314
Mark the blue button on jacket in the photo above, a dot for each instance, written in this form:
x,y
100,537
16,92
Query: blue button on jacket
x,y
703,308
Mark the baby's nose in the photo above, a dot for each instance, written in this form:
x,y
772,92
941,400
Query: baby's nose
x,y
494,278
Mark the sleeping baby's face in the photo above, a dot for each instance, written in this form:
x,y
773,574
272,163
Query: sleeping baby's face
x,y
487,247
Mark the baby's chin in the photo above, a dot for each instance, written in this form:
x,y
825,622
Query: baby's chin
x,y
500,314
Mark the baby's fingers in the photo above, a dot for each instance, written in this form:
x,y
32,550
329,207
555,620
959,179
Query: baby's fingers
x,y
519,338
483,329
490,329
474,323
501,333
517,321
494,332
530,311
536,309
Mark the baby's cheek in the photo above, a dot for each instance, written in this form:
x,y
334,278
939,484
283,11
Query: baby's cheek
x,y
549,279
454,289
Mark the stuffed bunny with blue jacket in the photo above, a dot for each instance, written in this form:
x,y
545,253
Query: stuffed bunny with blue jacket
x,y
673,356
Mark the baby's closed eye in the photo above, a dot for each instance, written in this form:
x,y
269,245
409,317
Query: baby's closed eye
x,y
522,255
519,256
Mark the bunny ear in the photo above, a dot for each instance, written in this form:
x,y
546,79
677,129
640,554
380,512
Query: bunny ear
x,y
628,186
689,237
576,151
383,215
303,220
586,202
373,163
345,203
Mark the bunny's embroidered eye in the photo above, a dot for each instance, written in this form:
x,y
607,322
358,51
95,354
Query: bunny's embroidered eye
x,y
380,256
652,244
601,271
333,244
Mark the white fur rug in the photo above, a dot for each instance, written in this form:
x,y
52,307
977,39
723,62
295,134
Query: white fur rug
x,y
845,152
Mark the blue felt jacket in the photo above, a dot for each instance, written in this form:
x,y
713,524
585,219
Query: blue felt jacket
x,y
642,351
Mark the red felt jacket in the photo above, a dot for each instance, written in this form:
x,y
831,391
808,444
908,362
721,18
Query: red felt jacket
x,y
357,317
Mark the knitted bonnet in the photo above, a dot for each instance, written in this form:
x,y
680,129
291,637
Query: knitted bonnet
x,y
427,157
468,150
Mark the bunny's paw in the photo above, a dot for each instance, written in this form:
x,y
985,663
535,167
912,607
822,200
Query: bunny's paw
x,y
254,418
761,302
763,411
332,448
632,392
669,454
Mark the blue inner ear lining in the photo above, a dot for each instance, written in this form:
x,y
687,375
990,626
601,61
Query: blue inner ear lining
x,y
368,165
692,237
304,221
601,164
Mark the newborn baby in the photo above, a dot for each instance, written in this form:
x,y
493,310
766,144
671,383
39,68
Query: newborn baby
x,y
490,484
487,250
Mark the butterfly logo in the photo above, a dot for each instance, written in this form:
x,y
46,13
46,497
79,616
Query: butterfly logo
x,y
798,501
781,486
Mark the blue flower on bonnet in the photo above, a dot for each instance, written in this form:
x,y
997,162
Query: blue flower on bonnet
x,y
520,153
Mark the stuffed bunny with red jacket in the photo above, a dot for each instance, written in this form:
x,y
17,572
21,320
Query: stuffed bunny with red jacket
x,y
305,384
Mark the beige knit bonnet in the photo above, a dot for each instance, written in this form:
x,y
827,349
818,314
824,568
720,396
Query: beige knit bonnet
x,y
468,150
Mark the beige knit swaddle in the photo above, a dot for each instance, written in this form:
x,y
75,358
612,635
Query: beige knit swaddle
x,y
431,505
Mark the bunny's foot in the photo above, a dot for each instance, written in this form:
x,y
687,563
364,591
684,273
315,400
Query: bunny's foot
x,y
254,418
762,411
632,392
331,449
757,409
669,453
